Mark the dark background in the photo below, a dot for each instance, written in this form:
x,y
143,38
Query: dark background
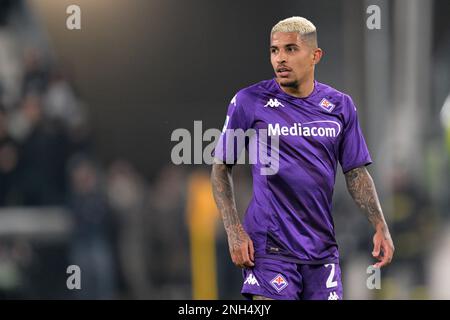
x,y
86,119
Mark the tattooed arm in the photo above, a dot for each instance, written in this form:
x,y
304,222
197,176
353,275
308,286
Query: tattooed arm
x,y
240,244
362,189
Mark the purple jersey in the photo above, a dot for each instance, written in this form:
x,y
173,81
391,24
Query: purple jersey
x,y
289,217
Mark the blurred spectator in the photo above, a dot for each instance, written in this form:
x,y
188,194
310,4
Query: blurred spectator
x,y
413,221
91,247
61,103
36,73
15,258
169,239
8,162
126,191
44,151
5,8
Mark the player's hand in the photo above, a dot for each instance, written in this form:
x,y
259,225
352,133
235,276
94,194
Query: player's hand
x,y
241,247
383,247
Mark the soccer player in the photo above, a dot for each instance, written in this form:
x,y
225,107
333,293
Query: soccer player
x,y
286,245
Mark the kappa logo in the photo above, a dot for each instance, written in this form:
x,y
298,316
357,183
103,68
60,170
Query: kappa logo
x,y
327,105
333,296
273,103
279,282
251,280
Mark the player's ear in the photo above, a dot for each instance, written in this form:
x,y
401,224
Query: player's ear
x,y
317,55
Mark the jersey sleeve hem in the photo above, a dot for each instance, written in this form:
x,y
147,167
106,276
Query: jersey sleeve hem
x,y
357,165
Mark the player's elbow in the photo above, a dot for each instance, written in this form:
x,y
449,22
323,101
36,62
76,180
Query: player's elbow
x,y
219,169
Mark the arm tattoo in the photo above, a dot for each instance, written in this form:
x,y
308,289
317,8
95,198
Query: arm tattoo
x,y
362,189
222,186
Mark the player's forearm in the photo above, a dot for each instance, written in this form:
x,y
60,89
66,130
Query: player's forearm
x,y
222,186
362,189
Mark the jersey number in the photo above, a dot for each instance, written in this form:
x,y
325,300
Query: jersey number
x,y
330,282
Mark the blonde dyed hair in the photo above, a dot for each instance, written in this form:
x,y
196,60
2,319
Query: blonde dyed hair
x,y
305,28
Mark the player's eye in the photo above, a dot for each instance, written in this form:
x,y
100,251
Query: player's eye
x,y
291,49
273,50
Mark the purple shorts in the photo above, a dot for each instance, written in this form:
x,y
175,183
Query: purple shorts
x,y
282,280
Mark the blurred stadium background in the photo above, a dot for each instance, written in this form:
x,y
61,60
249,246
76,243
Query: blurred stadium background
x,y
86,118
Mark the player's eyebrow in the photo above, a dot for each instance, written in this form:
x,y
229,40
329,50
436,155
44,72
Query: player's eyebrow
x,y
286,45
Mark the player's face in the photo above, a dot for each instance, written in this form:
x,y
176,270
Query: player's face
x,y
292,58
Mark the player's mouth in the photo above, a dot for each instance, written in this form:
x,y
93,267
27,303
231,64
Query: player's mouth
x,y
283,71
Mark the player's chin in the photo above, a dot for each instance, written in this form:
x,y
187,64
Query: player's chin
x,y
287,82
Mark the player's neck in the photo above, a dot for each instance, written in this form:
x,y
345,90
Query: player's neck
x,y
303,90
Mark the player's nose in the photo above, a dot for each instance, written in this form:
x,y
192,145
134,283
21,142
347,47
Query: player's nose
x,y
280,58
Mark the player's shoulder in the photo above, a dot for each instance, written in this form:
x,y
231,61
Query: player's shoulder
x,y
249,93
340,99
